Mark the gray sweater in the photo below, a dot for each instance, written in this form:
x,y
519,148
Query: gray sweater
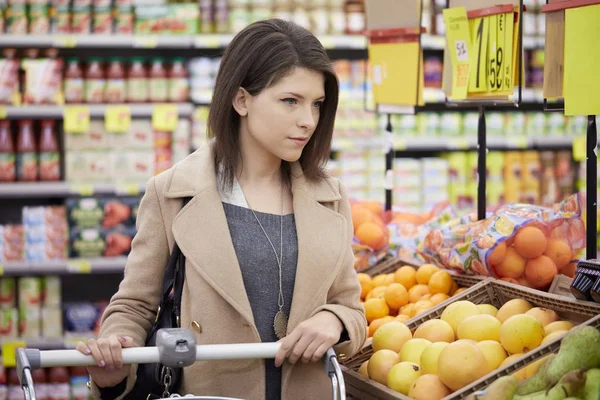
x,y
260,272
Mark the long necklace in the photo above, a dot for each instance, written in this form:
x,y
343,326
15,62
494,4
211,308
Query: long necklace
x,y
280,321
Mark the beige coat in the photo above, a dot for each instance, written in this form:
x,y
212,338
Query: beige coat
x,y
214,295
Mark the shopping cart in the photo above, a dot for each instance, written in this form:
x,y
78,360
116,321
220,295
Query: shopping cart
x,y
174,348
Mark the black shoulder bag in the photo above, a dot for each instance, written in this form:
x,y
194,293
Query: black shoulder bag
x,y
152,378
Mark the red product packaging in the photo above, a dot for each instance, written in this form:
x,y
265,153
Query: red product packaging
x,y
103,20
81,21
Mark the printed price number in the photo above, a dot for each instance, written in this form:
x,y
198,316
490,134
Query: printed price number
x,y
76,119
461,50
117,119
480,33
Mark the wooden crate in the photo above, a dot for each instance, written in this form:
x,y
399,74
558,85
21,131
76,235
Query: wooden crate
x,y
489,291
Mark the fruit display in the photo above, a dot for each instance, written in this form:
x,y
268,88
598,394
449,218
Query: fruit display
x,y
518,243
465,341
404,294
572,373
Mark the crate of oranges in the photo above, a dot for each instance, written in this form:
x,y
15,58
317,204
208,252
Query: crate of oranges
x,y
408,291
455,348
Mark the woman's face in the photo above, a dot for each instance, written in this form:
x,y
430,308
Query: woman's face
x,y
282,118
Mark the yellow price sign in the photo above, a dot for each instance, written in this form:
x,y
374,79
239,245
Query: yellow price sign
x,y
79,267
400,144
9,352
165,117
82,190
146,42
65,42
128,189
328,42
461,143
3,112
459,43
76,119
1,269
117,119
580,148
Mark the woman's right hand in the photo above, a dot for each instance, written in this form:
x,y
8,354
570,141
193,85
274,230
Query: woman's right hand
x,y
107,352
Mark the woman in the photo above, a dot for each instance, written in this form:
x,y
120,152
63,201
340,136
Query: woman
x,y
267,234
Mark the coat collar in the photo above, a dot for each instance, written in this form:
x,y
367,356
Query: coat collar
x,y
202,233
196,173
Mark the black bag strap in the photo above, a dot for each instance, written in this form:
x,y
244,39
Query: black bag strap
x,y
175,274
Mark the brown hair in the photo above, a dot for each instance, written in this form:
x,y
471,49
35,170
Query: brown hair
x,y
257,58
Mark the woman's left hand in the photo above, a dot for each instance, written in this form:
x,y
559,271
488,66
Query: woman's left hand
x,y
311,339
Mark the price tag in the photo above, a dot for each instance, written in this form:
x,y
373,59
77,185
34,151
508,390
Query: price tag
x,y
3,112
117,119
128,189
459,43
65,41
491,58
500,37
521,142
76,119
509,19
165,117
461,143
479,33
328,42
207,42
580,148
146,42
79,267
9,352
400,144
82,190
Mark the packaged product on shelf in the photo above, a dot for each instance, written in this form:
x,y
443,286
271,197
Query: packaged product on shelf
x,y
80,319
557,124
62,20
103,18
565,173
178,81
87,243
41,385
52,291
158,84
16,23
512,176
30,291
30,321
131,166
87,166
139,136
78,382
43,82
9,322
181,141
73,83
102,213
95,81
429,124
95,139
9,77
432,71
46,233
530,178
536,124
39,19
137,81
2,27
118,241
7,153
199,127
549,186
535,75
495,124
52,324
13,248
515,125
81,17
14,389
8,292
576,125
125,20
450,125
116,91
49,166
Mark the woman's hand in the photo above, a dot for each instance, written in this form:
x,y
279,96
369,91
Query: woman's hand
x,y
108,355
311,339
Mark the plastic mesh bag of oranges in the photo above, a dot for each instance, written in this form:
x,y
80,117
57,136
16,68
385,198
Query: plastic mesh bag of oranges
x,y
519,243
371,235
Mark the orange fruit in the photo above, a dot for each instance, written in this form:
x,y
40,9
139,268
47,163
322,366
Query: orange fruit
x,y
407,310
379,280
559,252
425,297
511,280
402,318
361,215
407,276
512,266
421,306
377,293
416,292
438,298
396,296
373,326
569,270
362,277
530,242
366,288
376,308
524,282
425,272
375,207
372,235
459,291
389,279
440,282
540,272
454,288
497,255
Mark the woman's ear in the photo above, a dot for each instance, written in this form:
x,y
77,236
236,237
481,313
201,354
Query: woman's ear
x,y
240,102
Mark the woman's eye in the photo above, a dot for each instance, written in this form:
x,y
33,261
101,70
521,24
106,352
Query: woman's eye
x,y
318,104
290,101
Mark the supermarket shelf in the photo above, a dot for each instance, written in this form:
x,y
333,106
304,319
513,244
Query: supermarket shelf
x,y
96,110
65,267
64,189
40,343
206,41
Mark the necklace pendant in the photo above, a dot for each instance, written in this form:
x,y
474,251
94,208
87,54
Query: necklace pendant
x,y
280,323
